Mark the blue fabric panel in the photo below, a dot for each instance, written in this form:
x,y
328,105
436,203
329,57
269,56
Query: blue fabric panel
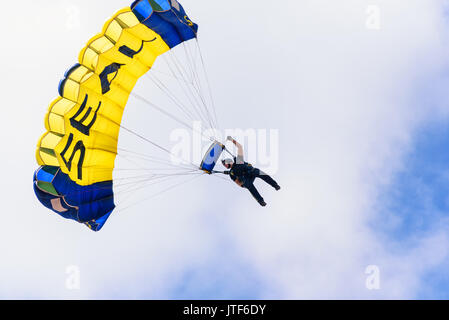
x,y
170,24
96,225
42,175
96,209
183,31
164,4
100,222
165,29
182,15
208,167
94,202
45,198
142,9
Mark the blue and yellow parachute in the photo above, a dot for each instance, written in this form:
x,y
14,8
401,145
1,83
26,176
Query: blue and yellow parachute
x,y
76,154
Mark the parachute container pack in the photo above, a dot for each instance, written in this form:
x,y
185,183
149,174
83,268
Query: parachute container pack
x,y
211,158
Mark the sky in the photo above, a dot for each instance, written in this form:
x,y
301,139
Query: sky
x,y
355,90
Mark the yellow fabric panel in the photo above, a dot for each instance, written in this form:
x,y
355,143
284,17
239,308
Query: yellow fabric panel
x,y
39,159
127,19
101,159
114,31
132,37
112,104
93,158
90,58
47,159
83,126
56,123
101,45
105,58
134,67
109,129
76,89
61,106
50,141
87,56
111,115
98,140
101,143
117,95
44,155
80,74
102,173
138,30
47,125
108,110
156,47
71,90
91,82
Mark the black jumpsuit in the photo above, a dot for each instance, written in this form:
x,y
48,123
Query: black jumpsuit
x,y
246,173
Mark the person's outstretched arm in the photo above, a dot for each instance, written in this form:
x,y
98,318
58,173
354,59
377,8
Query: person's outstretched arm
x,y
240,158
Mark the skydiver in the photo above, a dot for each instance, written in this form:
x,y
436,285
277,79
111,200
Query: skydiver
x,y
244,174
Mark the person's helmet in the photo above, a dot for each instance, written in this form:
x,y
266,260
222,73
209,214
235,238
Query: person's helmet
x,y
227,161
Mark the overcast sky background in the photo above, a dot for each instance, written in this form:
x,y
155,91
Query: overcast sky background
x,y
362,115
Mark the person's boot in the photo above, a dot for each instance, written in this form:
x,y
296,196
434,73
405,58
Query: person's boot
x,y
262,203
277,187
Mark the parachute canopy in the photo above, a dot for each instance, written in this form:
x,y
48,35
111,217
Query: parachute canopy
x,y
211,157
77,152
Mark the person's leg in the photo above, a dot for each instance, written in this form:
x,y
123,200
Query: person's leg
x,y
256,194
265,177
